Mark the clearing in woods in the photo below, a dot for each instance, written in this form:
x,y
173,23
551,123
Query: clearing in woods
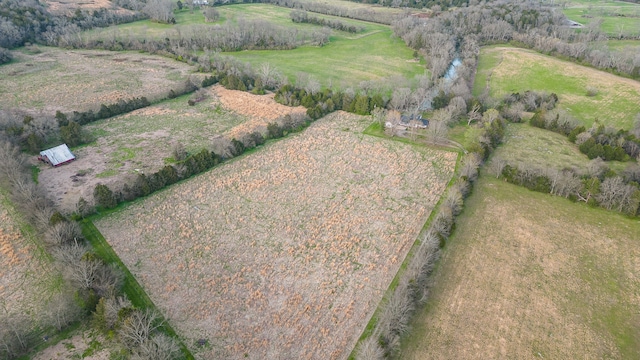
x,y
51,79
506,70
284,253
619,18
531,276
142,140
544,149
27,277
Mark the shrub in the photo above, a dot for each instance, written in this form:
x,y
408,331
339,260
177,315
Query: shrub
x,y
104,197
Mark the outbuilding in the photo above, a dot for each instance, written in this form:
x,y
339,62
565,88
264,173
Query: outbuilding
x,y
57,156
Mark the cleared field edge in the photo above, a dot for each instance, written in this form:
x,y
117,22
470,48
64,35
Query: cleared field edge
x,y
131,287
373,319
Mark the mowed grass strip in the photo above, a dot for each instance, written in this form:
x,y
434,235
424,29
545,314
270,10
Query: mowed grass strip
x,y
543,149
510,70
286,252
618,17
51,79
528,275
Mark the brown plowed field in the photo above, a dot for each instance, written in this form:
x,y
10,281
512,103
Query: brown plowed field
x,y
284,253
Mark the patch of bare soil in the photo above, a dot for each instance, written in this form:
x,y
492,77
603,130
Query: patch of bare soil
x,y
285,253
261,109
73,348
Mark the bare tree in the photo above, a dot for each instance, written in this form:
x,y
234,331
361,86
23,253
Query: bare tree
x,y
400,98
437,132
159,347
138,327
160,10
379,116
475,114
497,165
616,195
370,349
211,14
63,232
63,309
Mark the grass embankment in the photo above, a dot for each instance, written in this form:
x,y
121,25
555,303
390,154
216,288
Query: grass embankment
x,y
528,275
543,149
131,287
617,16
50,79
507,70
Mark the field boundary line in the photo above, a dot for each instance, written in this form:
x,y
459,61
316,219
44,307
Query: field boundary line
x,y
373,320
131,287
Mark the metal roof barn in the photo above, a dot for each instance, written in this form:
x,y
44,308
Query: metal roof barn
x,y
57,155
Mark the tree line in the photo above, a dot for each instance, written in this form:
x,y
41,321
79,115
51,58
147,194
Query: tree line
x,y
31,132
301,16
29,21
598,186
600,141
91,290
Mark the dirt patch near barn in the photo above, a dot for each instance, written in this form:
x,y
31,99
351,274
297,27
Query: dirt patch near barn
x,y
142,141
284,253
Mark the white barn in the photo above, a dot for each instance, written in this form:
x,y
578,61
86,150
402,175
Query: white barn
x,y
57,156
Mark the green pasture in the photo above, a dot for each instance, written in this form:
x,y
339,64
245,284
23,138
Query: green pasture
x,y
523,269
150,133
509,70
617,45
344,61
525,144
618,17
146,29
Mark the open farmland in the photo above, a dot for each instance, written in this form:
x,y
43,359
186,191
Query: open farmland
x,y
525,144
26,275
531,276
51,79
618,17
143,140
345,61
285,253
506,70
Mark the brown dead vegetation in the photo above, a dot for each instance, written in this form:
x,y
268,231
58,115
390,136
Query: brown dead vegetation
x,y
284,253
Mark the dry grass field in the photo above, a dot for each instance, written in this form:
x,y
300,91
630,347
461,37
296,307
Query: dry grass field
x,y
50,79
506,70
26,274
531,276
284,253
142,140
